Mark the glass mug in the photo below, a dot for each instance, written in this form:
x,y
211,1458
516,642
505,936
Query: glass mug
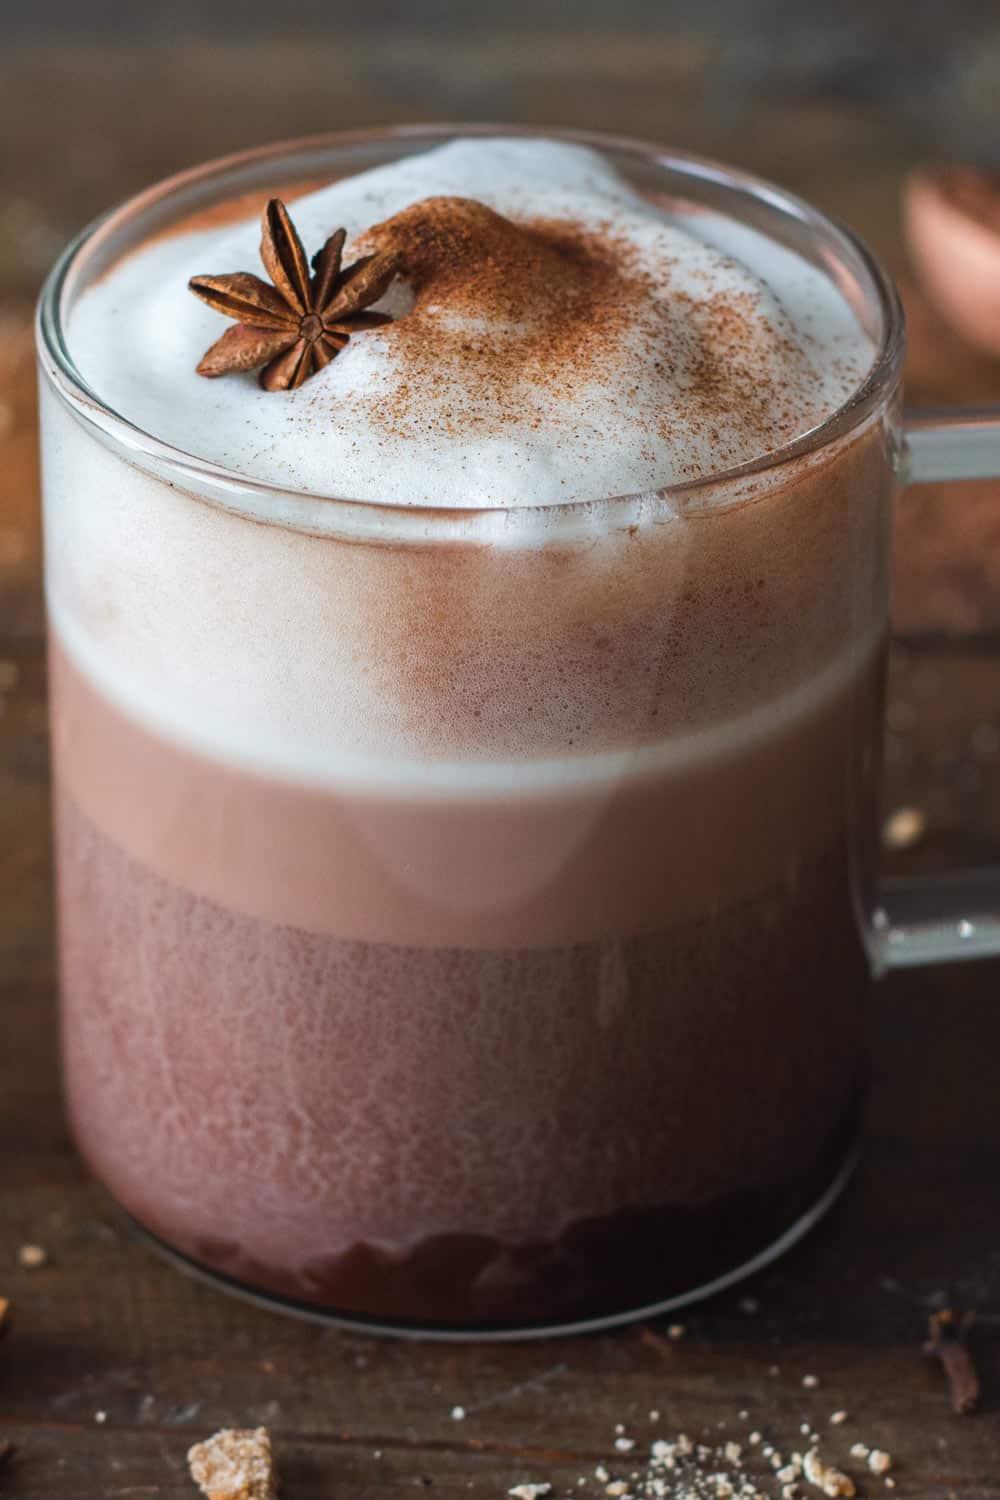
x,y
509,972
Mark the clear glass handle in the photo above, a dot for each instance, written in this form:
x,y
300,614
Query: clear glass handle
x,y
939,918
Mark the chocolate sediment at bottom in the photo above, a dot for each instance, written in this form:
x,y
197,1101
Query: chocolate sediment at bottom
x,y
459,1135
631,1258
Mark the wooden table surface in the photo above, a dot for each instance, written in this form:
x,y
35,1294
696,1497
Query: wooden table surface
x,y
115,1363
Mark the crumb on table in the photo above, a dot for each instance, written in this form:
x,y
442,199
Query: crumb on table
x,y
235,1464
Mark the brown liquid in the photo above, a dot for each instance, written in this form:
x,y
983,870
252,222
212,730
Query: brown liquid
x,y
474,1132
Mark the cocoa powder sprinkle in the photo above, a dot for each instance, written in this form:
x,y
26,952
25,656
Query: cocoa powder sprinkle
x,y
501,307
517,321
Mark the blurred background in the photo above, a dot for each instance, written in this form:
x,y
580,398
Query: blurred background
x,y
99,98
838,102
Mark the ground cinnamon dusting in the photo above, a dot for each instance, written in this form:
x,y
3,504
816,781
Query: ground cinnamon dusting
x,y
550,298
522,321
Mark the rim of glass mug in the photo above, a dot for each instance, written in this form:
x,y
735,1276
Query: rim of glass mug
x,y
833,248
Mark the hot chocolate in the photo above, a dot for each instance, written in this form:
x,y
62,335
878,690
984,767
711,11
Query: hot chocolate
x,y
458,903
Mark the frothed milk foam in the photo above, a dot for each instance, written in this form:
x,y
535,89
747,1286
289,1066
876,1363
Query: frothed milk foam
x,y
664,397
457,917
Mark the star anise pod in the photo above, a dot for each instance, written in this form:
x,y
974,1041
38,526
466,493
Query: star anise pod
x,y
301,322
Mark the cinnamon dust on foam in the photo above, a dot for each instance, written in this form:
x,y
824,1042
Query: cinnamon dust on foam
x,y
554,300
569,291
501,305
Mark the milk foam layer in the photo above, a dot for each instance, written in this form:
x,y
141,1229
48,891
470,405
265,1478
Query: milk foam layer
x,y
733,347
442,664
314,762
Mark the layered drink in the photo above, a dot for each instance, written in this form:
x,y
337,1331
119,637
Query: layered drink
x,y
462,775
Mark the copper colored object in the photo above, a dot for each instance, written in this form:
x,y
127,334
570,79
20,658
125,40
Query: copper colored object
x,y
952,217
